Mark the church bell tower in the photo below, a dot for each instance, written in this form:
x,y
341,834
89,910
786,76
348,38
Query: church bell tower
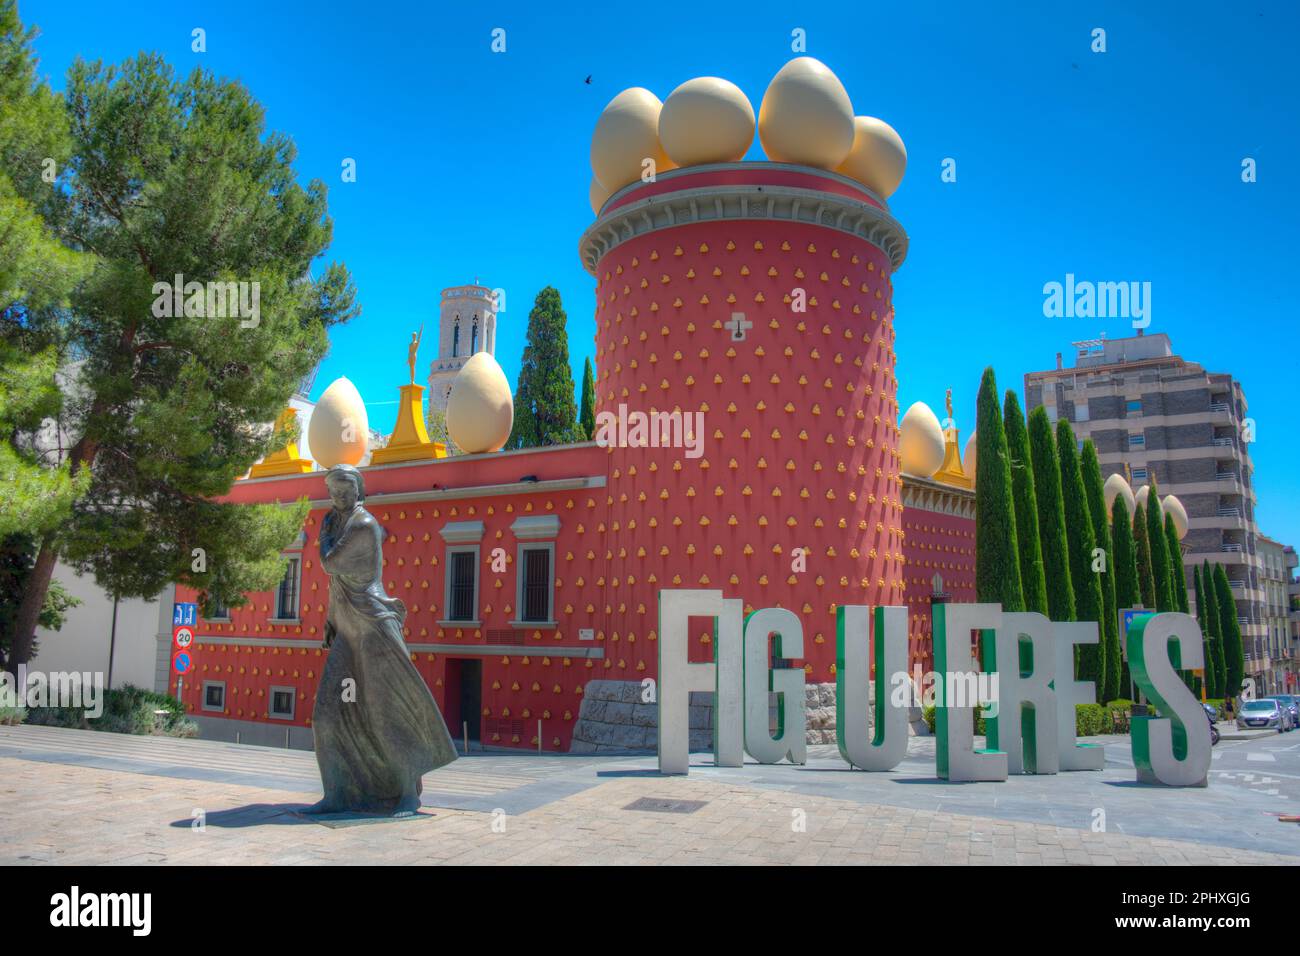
x,y
467,324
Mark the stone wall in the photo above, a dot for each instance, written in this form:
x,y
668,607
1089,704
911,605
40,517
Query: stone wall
x,y
614,719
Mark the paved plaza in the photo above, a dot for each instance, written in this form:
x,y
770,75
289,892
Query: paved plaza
x,y
81,797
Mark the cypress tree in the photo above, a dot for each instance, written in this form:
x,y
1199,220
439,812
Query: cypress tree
x,y
1088,602
1159,550
1214,628
1125,570
1177,576
1234,659
997,559
1177,580
587,407
1090,472
1032,583
1207,639
1142,551
1051,517
545,413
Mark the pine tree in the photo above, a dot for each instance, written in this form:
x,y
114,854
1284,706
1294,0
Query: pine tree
x,y
37,276
1207,638
1051,517
1177,576
168,177
1094,492
1234,659
1088,602
997,557
1142,550
1159,550
545,413
1032,583
587,407
1126,579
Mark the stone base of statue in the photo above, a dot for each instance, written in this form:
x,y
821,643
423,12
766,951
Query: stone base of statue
x,y
339,821
377,728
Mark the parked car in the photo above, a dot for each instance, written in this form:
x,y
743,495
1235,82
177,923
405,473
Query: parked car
x,y
1292,703
1211,713
1264,714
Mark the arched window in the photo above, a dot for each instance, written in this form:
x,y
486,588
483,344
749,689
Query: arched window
x,y
473,337
455,338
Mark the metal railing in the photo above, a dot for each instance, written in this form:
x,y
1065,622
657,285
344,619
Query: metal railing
x,y
1229,512
1221,442
1218,406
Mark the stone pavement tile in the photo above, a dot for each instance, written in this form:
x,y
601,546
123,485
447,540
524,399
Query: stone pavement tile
x,y
69,813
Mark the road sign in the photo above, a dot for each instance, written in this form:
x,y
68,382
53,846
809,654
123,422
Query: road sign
x,y
1127,615
184,613
182,637
182,662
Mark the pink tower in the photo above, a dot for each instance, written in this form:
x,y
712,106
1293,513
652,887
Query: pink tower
x,y
759,295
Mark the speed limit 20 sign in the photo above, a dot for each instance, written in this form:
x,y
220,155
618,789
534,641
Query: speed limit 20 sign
x,y
182,637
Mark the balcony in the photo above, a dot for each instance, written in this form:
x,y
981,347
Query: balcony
x,y
1219,407
1233,512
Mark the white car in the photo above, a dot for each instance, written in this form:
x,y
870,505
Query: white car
x,y
1264,715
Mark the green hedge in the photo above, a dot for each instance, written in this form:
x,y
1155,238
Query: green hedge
x,y
128,710
1090,719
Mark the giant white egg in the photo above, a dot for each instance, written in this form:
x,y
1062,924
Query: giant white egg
x,y
480,409
706,120
806,116
597,195
339,430
627,134
1115,487
971,459
878,157
1174,508
921,444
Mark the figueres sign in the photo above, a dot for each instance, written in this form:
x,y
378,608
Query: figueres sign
x,y
1026,689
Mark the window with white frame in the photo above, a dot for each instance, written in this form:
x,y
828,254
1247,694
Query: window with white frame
x,y
219,611
286,597
536,577
281,703
214,696
461,578
535,569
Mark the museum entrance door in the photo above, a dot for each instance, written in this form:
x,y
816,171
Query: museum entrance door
x,y
464,696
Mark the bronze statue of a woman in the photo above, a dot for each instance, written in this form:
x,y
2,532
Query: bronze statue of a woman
x,y
377,727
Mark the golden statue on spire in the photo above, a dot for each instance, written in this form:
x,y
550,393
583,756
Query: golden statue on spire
x,y
947,400
413,349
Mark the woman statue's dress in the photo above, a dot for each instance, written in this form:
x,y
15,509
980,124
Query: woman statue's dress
x,y
377,727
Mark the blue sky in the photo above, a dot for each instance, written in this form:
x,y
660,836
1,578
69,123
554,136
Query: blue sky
x,y
1123,165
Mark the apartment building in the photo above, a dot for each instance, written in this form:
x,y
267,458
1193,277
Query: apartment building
x,y
1153,411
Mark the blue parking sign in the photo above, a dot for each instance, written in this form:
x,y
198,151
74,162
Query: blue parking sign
x,y
183,613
